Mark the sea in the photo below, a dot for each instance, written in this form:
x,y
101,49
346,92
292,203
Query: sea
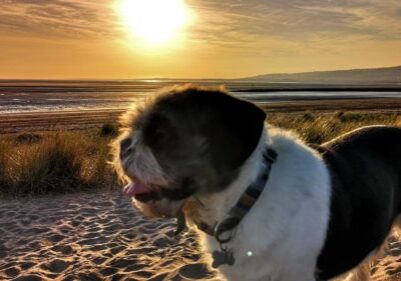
x,y
19,96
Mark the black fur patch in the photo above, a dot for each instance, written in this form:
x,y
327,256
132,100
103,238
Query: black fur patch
x,y
365,168
125,143
201,134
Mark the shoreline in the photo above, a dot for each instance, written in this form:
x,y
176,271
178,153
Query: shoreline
x,y
94,118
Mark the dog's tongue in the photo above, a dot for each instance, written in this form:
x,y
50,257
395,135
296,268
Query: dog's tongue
x,y
135,188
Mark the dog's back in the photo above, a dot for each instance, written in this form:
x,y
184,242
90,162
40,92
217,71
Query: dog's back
x,y
365,168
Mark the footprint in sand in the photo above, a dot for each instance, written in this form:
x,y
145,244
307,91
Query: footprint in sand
x,y
195,271
56,266
108,241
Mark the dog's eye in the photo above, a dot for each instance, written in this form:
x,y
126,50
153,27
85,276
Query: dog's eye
x,y
125,148
125,144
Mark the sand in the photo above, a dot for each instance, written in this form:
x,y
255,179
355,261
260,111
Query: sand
x,y
100,236
93,237
387,267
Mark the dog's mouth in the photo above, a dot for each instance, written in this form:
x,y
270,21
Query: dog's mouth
x,y
144,193
141,191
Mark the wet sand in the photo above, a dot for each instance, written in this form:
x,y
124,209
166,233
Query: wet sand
x,y
83,119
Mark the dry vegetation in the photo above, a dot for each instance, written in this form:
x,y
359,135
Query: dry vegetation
x,y
318,128
66,161
54,162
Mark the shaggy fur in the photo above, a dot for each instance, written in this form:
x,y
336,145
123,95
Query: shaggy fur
x,y
195,150
285,229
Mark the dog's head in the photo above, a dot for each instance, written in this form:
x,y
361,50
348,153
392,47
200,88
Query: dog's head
x,y
186,141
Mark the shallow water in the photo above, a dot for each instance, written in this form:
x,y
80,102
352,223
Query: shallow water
x,y
39,96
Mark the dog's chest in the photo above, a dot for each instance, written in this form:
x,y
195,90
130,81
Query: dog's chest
x,y
259,247
248,265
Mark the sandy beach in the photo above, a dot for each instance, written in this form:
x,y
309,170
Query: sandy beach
x,y
93,236
100,236
92,92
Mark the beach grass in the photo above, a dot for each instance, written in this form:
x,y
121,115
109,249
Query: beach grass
x,y
54,162
67,161
317,128
109,130
4,174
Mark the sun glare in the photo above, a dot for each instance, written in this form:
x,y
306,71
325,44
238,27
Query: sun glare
x,y
154,21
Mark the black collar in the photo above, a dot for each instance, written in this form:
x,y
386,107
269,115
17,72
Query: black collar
x,y
222,231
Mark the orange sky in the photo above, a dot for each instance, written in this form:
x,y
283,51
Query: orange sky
x,y
227,38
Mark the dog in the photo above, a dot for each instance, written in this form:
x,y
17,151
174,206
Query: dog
x,y
266,205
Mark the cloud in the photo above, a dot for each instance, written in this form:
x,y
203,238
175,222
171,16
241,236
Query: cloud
x,y
56,18
297,20
242,26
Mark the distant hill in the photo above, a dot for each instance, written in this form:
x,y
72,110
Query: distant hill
x,y
385,75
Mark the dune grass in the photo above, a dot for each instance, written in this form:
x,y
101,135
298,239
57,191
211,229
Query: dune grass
x,y
46,167
4,178
54,163
318,128
68,161
109,130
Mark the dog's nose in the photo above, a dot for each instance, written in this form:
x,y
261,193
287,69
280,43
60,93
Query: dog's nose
x,y
125,144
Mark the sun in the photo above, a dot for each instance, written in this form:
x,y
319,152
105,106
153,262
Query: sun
x,y
154,21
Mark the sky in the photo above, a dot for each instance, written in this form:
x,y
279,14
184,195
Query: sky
x,y
91,39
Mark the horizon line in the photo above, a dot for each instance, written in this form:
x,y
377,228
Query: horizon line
x,y
183,78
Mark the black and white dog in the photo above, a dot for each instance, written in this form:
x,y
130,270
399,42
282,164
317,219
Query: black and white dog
x,y
269,206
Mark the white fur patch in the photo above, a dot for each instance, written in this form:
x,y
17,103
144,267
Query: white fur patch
x,y
140,163
286,228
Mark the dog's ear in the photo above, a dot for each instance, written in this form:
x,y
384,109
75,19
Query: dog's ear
x,y
237,133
